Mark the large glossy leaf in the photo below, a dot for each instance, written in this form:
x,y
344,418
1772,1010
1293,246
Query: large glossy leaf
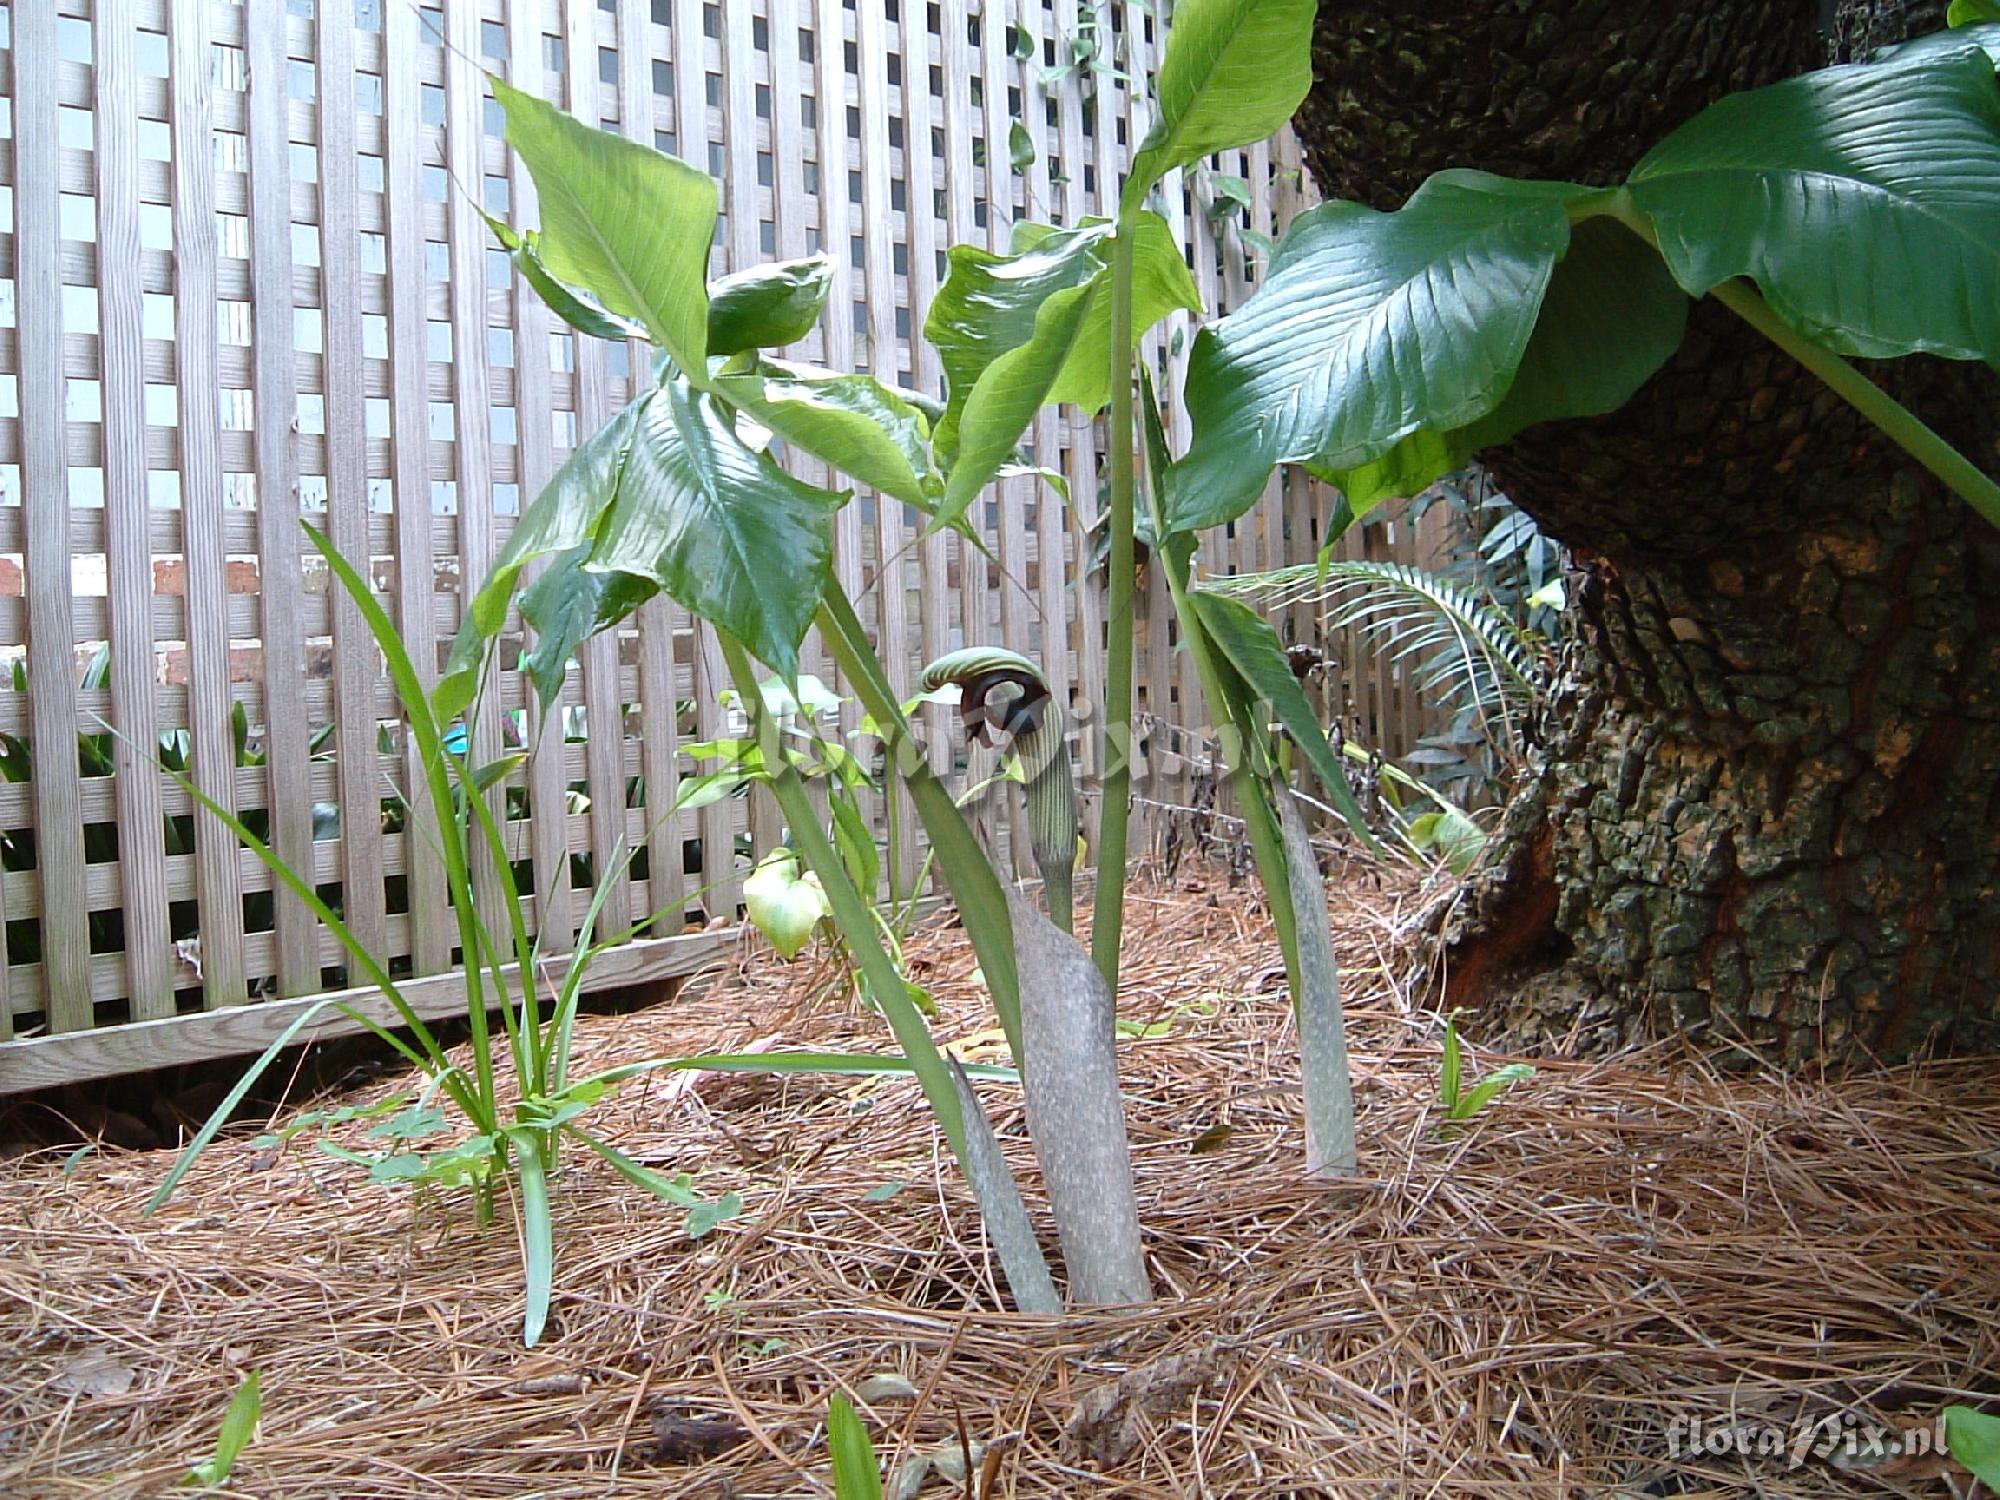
x,y
574,307
563,517
854,422
1015,332
1161,284
1611,318
989,303
1251,648
566,606
1233,73
718,525
1864,202
1984,35
768,306
1367,328
1005,398
630,225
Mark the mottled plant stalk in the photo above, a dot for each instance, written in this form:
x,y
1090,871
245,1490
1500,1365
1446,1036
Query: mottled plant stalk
x,y
1107,929
1069,1055
1329,1087
1069,1072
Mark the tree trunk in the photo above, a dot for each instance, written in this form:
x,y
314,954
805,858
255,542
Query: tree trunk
x,y
1765,805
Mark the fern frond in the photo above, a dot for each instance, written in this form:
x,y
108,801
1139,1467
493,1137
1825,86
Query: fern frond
x,y
1459,646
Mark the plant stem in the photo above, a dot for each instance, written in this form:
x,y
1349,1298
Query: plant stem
x,y
966,1128
1115,817
1266,839
1903,426
852,914
981,903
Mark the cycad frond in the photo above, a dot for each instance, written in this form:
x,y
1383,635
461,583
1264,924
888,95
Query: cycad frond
x,y
1460,647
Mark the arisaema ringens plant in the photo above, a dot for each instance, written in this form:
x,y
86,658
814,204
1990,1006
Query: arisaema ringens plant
x,y
680,493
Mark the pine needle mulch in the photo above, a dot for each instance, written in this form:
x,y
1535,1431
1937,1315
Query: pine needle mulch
x,y
1520,1307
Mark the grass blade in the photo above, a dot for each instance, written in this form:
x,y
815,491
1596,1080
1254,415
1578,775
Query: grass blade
x,y
640,1176
431,754
1450,1069
856,1474
827,1064
219,1117
239,1424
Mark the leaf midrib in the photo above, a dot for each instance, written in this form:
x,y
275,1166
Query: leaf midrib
x,y
655,328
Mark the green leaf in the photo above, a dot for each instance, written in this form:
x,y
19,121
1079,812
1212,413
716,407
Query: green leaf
x,y
1482,1093
782,904
678,1189
1367,328
1971,12
704,1217
239,1425
1977,36
496,771
720,527
1450,1068
630,225
883,1192
1252,649
1015,332
982,904
1611,318
471,1160
537,1229
768,306
411,1123
856,1474
991,304
1020,147
1011,390
1458,840
403,1166
856,843
870,433
1161,284
832,1064
1233,72
1863,201
1974,1439
1227,195
567,605
563,517
453,695
578,309
669,495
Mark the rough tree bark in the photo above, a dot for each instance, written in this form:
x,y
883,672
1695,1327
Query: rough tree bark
x,y
1766,803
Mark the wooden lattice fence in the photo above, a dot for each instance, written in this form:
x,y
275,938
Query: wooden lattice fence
x,y
243,277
